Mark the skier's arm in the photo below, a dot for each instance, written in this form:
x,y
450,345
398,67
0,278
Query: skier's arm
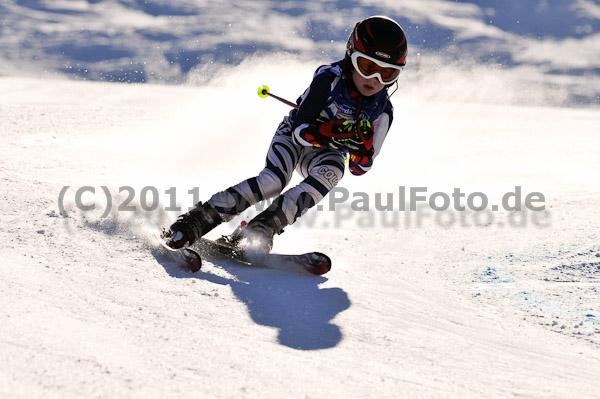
x,y
310,106
381,126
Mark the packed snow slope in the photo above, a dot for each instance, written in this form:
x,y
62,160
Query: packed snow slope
x,y
497,97
418,304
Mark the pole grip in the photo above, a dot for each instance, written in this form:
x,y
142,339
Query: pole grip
x,y
264,91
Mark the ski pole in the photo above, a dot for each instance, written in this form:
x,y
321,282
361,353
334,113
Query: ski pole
x,y
264,91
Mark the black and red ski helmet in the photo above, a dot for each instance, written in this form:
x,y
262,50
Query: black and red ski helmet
x,y
379,37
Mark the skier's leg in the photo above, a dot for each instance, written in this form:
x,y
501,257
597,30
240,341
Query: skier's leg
x,y
322,170
192,225
281,160
223,206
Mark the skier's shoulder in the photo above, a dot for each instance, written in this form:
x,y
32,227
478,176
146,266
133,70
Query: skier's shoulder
x,y
385,110
386,102
383,101
333,69
324,79
328,72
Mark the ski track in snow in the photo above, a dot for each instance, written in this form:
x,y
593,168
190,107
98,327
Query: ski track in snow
x,y
91,306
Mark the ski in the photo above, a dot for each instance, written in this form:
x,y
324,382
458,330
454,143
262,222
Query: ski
x,y
185,257
312,262
191,257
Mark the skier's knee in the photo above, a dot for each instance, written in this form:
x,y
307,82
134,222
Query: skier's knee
x,y
271,183
328,175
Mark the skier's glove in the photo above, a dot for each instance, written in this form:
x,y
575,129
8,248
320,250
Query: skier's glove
x,y
329,134
343,135
361,143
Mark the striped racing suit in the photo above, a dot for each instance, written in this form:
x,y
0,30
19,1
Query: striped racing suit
x,y
331,95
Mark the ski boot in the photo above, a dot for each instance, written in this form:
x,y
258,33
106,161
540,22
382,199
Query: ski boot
x,y
257,235
193,225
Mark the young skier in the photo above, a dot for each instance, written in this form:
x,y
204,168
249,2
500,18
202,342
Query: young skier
x,y
346,111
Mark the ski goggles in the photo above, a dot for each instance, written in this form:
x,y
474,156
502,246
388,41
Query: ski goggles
x,y
369,67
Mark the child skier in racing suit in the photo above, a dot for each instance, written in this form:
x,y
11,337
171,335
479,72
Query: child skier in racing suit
x,y
345,112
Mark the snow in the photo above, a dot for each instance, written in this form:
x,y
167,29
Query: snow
x,y
92,306
417,304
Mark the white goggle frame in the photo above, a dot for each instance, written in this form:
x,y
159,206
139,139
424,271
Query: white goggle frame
x,y
357,54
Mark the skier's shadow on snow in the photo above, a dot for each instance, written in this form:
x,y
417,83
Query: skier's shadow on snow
x,y
293,303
